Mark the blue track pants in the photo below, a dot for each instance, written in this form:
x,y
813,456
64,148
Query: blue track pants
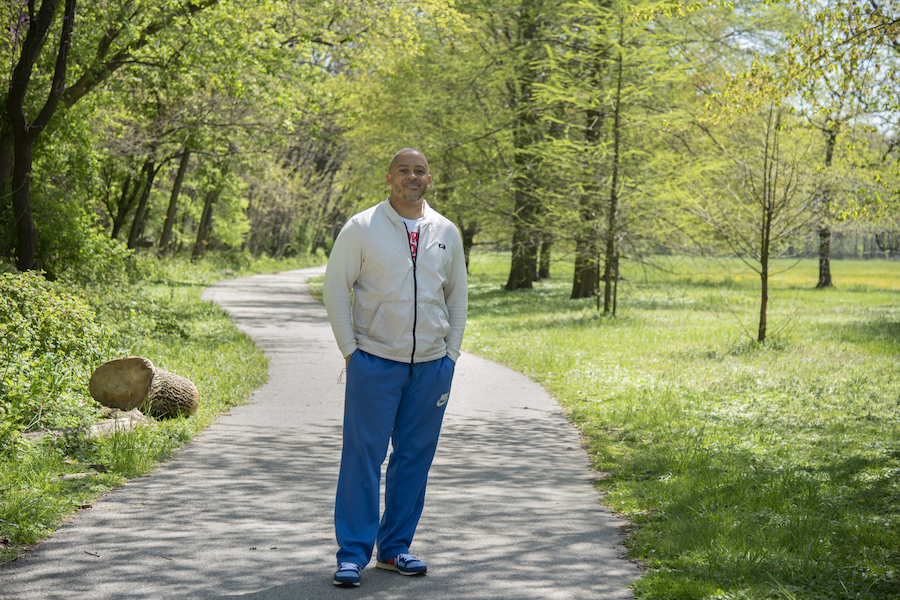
x,y
382,403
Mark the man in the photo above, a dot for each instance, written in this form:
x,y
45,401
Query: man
x,y
401,337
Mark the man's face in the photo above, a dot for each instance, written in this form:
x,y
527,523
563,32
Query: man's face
x,y
409,177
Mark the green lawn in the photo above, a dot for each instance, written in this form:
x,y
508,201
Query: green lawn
x,y
749,471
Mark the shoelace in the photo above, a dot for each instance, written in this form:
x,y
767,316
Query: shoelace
x,y
406,558
347,566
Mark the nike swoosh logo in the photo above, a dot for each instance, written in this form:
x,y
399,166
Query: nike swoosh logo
x,y
443,399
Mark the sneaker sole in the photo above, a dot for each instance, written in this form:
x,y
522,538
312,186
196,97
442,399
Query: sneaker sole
x,y
389,567
346,583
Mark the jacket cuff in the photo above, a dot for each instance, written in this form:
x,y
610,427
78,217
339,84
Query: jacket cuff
x,y
348,349
453,354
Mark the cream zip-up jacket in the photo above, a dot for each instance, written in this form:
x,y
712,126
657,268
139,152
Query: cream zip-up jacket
x,y
400,311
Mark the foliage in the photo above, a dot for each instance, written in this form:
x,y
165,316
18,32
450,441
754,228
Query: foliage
x,y
455,104
849,48
49,341
614,85
759,469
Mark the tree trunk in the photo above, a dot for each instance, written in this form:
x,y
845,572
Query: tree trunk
x,y
824,231
769,212
824,258
615,284
169,223
126,201
524,258
26,230
544,265
25,134
613,208
584,280
523,268
763,306
6,161
319,223
205,225
150,171
586,277
6,158
249,214
468,239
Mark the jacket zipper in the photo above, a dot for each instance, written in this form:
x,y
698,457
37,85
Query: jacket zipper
x,y
412,358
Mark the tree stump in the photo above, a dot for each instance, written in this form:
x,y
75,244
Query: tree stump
x,y
135,382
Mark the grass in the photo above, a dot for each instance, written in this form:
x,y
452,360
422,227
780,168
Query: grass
x,y
749,471
162,317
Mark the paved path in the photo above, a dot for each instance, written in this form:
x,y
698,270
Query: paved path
x,y
244,511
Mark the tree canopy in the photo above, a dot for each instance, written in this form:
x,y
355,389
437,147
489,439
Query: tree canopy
x,y
598,131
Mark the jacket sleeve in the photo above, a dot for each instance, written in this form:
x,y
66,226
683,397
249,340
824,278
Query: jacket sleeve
x,y
341,274
456,294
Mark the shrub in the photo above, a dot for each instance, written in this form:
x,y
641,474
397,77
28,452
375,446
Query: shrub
x,y
93,259
49,342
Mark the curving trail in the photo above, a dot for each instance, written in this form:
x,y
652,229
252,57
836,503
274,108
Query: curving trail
x,y
245,510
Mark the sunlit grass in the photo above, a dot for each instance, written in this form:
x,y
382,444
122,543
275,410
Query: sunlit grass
x,y
751,471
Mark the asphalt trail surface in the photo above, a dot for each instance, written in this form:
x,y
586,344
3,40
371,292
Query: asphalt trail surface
x,y
245,510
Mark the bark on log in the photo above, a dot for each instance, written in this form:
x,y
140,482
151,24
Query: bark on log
x,y
135,382
172,395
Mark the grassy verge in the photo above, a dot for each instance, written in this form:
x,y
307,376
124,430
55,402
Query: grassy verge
x,y
161,316
750,472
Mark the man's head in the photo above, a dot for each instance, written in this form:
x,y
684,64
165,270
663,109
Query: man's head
x,y
408,176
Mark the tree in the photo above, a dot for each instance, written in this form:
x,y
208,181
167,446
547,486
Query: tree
x,y
446,95
130,27
840,66
836,93
24,131
759,197
166,235
524,32
615,84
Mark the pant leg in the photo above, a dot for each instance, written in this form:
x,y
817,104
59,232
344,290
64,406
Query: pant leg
x,y
371,400
414,441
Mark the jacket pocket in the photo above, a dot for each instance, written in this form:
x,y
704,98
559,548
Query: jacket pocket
x,y
391,323
434,323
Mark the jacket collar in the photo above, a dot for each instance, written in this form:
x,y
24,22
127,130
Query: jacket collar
x,y
395,217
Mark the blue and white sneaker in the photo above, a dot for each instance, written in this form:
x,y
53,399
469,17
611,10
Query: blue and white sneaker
x,y
405,564
347,575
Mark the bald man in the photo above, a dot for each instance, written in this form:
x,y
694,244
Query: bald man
x,y
400,336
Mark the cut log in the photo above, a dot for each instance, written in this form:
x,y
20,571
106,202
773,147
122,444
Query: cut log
x,y
172,395
135,382
122,383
